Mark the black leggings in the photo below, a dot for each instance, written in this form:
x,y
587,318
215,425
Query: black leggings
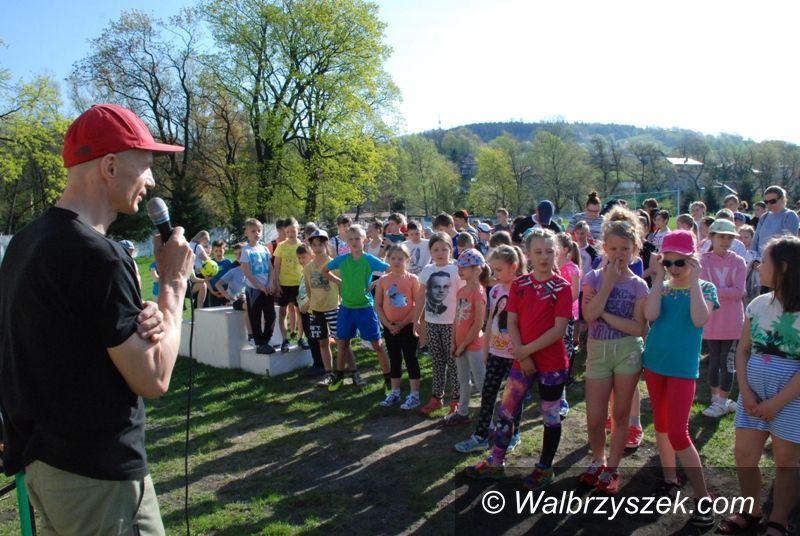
x,y
316,354
403,345
496,371
261,306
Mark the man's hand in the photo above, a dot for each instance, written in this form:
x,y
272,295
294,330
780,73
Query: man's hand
x,y
151,322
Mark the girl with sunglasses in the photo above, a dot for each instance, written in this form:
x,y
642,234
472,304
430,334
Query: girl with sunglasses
x,y
679,304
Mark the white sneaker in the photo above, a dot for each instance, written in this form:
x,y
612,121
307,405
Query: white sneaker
x,y
412,402
716,410
731,405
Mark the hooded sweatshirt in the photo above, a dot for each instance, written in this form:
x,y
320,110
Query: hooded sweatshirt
x,y
728,274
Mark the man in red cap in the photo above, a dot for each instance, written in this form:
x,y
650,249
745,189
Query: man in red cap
x,y
74,363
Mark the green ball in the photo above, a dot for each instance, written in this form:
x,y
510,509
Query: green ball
x,y
209,268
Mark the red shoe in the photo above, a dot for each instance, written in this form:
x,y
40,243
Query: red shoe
x,y
591,476
635,435
431,406
608,482
453,406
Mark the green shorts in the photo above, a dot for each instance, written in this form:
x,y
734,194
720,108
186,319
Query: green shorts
x,y
75,504
604,358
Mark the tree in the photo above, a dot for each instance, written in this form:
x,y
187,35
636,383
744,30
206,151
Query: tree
x,y
605,155
31,138
430,179
494,184
148,65
519,161
559,166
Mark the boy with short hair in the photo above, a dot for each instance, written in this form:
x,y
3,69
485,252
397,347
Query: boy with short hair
x,y
286,283
464,241
418,247
356,313
443,223
323,304
502,221
280,228
338,243
256,267
304,256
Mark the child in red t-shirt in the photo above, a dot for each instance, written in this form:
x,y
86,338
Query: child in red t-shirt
x,y
539,308
468,337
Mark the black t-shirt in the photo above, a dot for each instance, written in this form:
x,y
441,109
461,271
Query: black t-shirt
x,y
525,224
66,294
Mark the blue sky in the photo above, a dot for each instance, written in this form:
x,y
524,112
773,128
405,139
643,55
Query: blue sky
x,y
710,66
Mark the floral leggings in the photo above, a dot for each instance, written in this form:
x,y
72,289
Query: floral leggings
x,y
551,386
445,376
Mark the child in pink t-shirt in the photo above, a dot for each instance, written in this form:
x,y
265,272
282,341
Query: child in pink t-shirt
x,y
394,303
728,272
468,338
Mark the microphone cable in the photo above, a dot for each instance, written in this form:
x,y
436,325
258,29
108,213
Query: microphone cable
x,y
188,413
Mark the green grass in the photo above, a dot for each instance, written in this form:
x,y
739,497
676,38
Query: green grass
x,y
277,456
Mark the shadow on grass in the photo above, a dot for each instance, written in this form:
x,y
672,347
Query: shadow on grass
x,y
276,455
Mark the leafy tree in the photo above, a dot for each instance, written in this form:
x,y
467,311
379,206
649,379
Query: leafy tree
x,y
147,65
31,138
494,184
606,156
519,161
430,180
559,166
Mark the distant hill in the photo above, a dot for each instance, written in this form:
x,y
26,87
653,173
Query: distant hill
x,y
582,132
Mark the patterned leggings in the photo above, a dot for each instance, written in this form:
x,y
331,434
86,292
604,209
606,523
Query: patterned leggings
x,y
551,386
569,343
445,376
496,371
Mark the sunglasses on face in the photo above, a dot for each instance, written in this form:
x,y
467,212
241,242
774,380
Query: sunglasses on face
x,y
771,201
680,263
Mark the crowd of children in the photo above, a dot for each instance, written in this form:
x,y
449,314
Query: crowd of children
x,y
639,297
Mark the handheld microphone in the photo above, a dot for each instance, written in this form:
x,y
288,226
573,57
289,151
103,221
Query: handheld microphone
x,y
159,215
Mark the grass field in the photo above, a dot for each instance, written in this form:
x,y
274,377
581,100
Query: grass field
x,y
278,456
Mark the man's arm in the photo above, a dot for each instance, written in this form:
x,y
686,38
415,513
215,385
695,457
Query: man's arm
x,y
147,366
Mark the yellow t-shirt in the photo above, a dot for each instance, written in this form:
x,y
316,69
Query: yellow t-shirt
x,y
324,294
291,269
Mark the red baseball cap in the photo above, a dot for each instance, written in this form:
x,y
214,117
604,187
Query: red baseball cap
x,y
108,128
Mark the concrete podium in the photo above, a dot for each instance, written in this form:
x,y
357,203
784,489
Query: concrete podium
x,y
220,340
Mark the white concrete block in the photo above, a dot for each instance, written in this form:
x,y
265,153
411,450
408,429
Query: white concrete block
x,y
275,364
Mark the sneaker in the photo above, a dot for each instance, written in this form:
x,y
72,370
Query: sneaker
x,y
716,410
592,474
358,381
485,470
635,435
392,399
284,347
540,478
411,402
265,349
453,407
336,383
731,405
564,409
699,519
431,406
668,489
456,419
327,380
514,443
472,444
608,482
303,344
